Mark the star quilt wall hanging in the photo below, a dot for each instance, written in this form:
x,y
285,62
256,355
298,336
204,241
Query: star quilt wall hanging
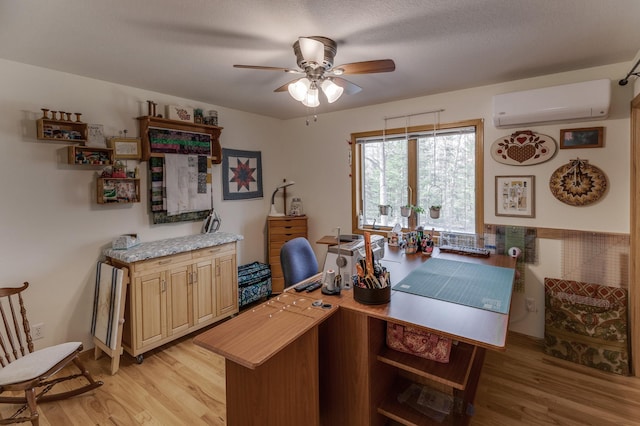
x,y
241,174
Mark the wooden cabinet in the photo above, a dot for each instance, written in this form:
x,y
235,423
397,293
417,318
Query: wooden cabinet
x,y
184,128
227,289
174,295
148,290
117,190
281,229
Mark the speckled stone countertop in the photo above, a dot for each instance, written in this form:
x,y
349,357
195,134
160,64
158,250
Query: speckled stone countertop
x,y
171,246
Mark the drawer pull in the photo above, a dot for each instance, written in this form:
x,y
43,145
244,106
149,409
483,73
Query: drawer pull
x,y
164,262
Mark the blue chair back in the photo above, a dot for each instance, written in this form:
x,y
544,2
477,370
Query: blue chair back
x,y
298,261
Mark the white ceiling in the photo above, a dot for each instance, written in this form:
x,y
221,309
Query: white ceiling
x,y
187,48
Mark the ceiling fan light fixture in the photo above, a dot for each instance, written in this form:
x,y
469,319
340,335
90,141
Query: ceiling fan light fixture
x,y
315,57
312,51
312,100
331,90
298,90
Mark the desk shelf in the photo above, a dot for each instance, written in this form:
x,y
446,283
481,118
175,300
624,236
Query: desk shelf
x,y
459,376
403,414
455,373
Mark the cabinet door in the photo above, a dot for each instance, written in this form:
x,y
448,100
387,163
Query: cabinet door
x,y
226,284
179,305
204,294
150,308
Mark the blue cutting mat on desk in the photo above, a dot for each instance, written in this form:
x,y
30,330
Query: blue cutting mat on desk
x,y
471,284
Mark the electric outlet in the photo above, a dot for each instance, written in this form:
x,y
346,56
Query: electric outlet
x,y
37,331
530,304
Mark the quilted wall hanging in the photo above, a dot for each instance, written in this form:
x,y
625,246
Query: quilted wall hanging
x,y
578,183
523,148
241,174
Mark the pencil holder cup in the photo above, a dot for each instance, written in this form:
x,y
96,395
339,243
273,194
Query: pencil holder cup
x,y
372,296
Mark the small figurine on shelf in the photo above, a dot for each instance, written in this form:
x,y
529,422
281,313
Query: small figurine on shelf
x,y
198,115
107,172
119,170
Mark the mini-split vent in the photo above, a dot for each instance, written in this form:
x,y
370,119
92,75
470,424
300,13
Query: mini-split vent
x,y
589,100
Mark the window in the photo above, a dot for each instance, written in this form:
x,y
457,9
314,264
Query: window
x,y
419,166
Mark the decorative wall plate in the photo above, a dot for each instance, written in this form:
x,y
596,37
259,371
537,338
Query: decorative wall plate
x,y
523,148
578,183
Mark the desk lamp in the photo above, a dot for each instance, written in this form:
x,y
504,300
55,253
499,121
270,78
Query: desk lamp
x,y
273,211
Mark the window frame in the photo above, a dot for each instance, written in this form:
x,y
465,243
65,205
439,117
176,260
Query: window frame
x,y
356,169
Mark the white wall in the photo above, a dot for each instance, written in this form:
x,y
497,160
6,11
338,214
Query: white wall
x,y
52,231
325,186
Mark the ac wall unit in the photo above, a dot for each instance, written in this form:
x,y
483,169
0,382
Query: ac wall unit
x,y
588,100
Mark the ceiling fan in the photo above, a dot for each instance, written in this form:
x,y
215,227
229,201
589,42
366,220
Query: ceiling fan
x,y
314,56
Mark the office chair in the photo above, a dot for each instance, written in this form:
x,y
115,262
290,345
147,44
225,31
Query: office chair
x,y
298,261
25,370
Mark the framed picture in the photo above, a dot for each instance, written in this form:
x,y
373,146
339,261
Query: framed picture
x,y
241,174
515,196
126,148
95,136
590,137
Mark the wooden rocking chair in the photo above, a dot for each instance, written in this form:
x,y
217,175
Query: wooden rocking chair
x,y
24,369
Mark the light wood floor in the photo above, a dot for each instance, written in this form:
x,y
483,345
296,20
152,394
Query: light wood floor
x,y
182,384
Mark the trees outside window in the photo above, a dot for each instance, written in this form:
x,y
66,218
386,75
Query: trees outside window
x,y
424,167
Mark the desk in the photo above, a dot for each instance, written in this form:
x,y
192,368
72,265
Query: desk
x,y
271,360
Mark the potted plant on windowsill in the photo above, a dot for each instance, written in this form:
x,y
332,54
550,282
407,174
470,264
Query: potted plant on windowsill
x,y
409,209
434,212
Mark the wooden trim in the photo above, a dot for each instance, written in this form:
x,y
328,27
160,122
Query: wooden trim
x,y
634,229
356,204
479,176
412,180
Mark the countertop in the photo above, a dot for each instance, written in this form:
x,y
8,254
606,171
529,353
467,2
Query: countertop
x,y
169,246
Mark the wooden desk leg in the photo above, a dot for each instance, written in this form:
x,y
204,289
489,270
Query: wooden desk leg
x,y
282,391
469,394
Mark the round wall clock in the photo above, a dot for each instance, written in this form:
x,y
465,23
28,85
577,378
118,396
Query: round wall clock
x,y
523,148
578,183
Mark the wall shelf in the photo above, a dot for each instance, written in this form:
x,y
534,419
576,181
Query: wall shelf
x,y
163,123
89,156
118,190
61,131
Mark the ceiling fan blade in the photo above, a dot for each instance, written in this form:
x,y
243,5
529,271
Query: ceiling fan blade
x,y
312,50
285,87
258,67
366,67
349,87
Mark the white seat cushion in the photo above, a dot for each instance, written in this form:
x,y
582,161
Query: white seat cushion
x,y
36,363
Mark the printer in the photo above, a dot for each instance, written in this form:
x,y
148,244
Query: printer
x,y
344,256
